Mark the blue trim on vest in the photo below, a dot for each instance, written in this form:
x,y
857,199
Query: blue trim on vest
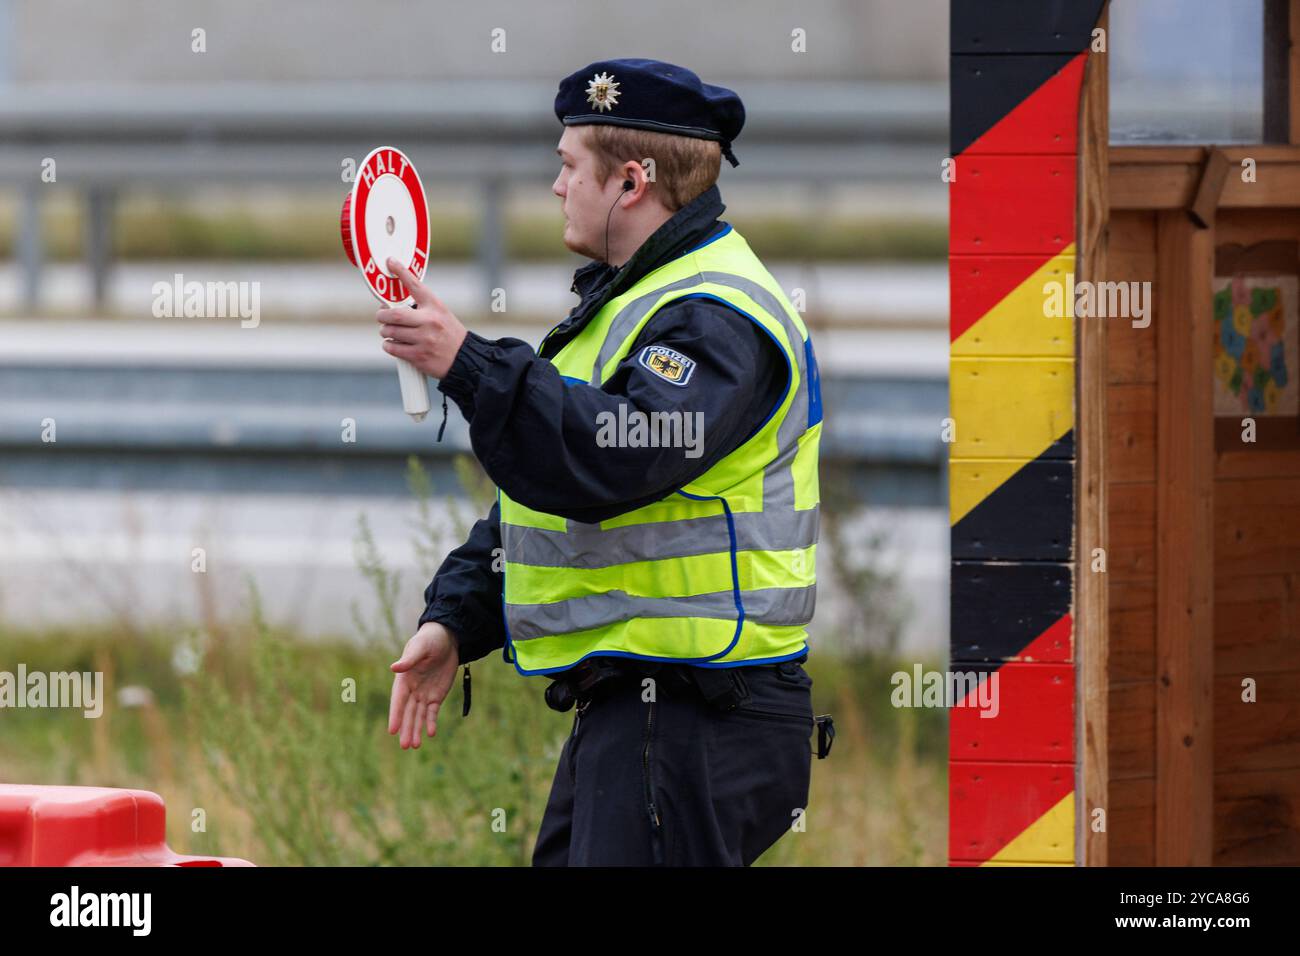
x,y
759,660
508,646
505,619
726,229
708,661
814,384
789,368
735,571
573,380
692,661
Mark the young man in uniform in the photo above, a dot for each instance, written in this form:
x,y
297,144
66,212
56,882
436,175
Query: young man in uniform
x,y
652,549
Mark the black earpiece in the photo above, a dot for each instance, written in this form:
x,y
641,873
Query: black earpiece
x,y
627,184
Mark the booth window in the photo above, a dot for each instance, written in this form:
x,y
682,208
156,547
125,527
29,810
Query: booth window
x,y
1198,71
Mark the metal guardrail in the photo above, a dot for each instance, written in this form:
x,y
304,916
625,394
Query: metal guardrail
x,y
128,430
239,412
301,411
485,134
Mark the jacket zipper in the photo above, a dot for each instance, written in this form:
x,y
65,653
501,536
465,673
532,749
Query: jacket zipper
x,y
573,740
578,713
645,767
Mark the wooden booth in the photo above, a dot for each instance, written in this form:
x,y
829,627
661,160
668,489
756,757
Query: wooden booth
x,y
1125,433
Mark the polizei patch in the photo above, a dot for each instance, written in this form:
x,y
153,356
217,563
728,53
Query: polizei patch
x,y
669,365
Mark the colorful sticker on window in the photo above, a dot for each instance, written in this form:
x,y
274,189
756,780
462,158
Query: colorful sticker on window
x,y
1255,346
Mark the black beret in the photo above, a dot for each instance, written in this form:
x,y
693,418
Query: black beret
x,y
651,94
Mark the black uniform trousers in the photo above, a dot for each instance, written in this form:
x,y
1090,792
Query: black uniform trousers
x,y
653,775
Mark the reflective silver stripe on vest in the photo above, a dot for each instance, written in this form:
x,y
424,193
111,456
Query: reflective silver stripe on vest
x,y
778,475
628,317
631,314
587,546
777,606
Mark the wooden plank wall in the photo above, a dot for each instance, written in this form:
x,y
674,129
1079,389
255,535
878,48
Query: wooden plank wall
x,y
1184,532
1091,592
1256,622
1131,515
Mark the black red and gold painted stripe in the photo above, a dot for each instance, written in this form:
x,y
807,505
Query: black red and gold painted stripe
x,y
1016,76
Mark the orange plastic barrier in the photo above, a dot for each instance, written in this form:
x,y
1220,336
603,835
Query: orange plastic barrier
x,y
88,826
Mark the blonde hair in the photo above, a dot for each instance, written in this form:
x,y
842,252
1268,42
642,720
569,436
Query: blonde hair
x,y
684,166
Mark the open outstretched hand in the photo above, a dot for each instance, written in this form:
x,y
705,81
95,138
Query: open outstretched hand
x,y
424,675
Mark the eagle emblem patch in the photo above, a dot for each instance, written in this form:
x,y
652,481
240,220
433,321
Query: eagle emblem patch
x,y
669,365
602,92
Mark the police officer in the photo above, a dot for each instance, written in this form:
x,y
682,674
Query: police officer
x,y
651,551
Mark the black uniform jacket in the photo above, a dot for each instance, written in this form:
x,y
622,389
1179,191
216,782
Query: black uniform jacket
x,y
536,434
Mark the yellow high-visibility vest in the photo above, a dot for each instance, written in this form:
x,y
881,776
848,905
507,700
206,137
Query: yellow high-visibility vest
x,y
720,572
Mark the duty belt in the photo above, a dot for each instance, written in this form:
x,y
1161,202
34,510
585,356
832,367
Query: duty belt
x,y
723,688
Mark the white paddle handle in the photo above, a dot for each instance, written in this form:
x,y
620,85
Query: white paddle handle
x,y
415,390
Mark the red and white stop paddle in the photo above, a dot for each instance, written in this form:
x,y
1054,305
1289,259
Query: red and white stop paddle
x,y
386,215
